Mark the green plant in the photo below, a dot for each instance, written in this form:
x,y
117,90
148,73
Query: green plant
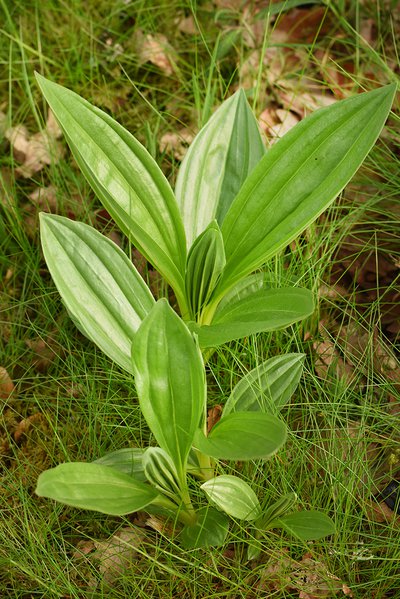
x,y
171,385
235,207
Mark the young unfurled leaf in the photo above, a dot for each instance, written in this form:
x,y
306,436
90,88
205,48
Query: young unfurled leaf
x,y
217,163
209,531
276,510
243,436
233,496
307,526
205,263
170,380
268,387
264,310
298,178
95,487
126,179
128,460
102,290
160,472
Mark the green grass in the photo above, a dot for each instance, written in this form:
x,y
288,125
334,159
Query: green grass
x,y
343,446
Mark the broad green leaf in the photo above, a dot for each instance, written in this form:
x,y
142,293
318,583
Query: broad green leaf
x,y
243,436
95,487
244,288
205,263
160,472
268,387
222,155
128,460
233,496
126,179
170,381
298,178
264,310
276,510
102,290
251,284
209,531
307,526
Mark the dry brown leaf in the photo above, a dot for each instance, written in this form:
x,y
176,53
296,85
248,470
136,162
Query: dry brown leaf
x,y
83,548
44,352
276,122
160,524
25,424
335,291
248,70
176,143
268,119
52,128
187,25
18,137
303,102
329,361
213,416
380,512
112,98
315,580
155,49
359,343
45,198
300,25
37,150
252,28
6,384
9,275
368,31
75,390
340,78
309,577
116,554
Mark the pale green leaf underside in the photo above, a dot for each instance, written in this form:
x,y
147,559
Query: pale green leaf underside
x,y
95,487
234,496
128,460
264,310
243,436
126,179
268,387
102,290
298,178
217,163
170,380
